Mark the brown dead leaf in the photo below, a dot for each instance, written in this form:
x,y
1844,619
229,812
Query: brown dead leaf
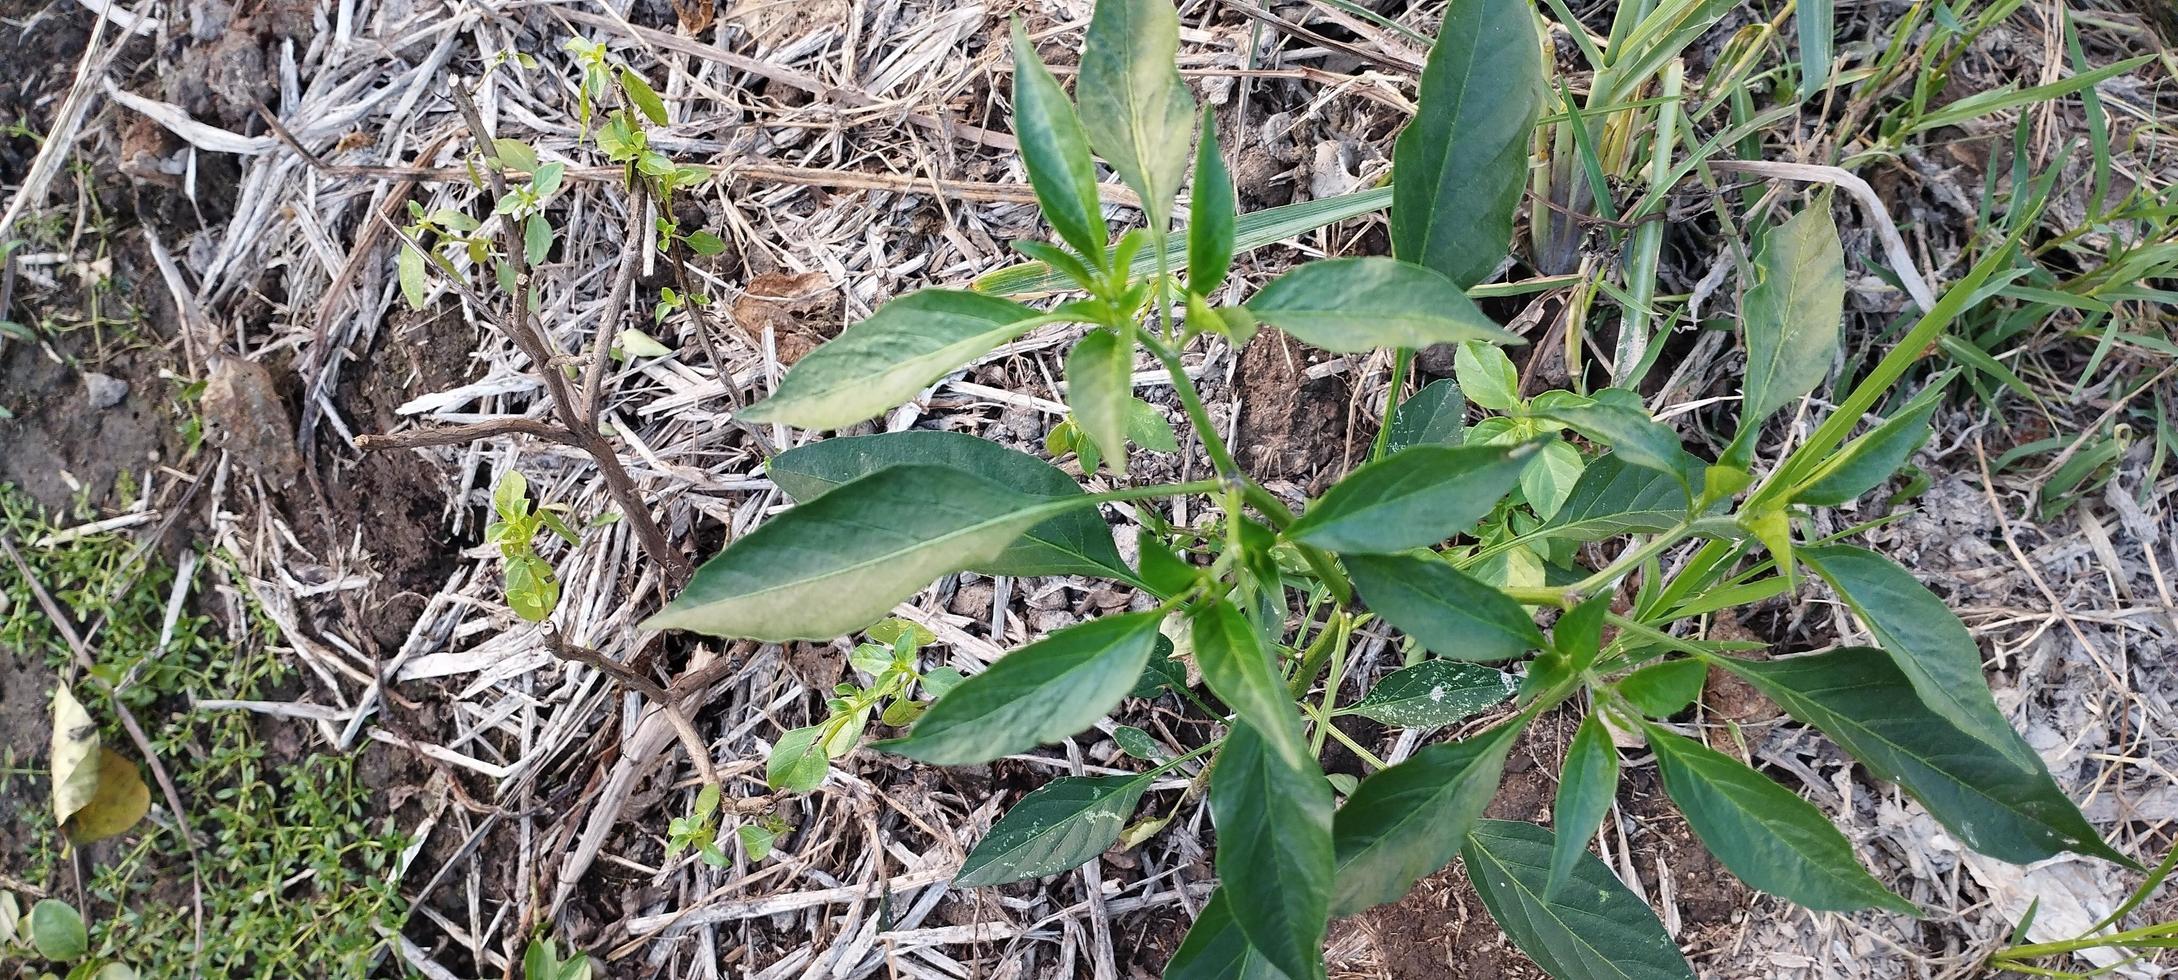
x,y
801,311
250,421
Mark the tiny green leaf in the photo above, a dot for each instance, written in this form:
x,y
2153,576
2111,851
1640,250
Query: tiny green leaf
x,y
886,359
1135,108
1486,375
1772,839
1434,693
1359,304
1274,849
1433,416
1664,689
1925,637
1549,479
1239,670
515,155
1077,542
1211,214
1063,825
1100,392
410,266
840,562
644,97
1413,499
1453,615
1791,316
797,763
536,238
1406,822
1590,928
1040,693
1586,786
57,932
1056,151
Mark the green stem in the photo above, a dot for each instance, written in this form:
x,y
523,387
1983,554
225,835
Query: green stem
x,y
1402,360
1325,726
1160,490
1197,414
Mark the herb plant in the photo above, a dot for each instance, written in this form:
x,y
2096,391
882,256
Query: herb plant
x,y
1459,536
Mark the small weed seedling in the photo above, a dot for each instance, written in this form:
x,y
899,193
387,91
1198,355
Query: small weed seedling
x,y
1455,535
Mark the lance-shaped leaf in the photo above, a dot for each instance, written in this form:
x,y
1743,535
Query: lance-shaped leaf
x,y
1134,106
1434,693
1458,168
1626,428
883,361
1433,416
1772,839
1215,949
1043,692
1239,670
1274,849
1100,392
1360,304
1061,826
1925,638
1871,459
1591,928
1212,219
1452,615
1056,151
1413,499
1406,822
1586,785
1791,316
1614,497
1859,698
1661,690
1077,542
842,561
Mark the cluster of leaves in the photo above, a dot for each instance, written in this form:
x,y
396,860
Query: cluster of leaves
x,y
533,589
541,961
1453,534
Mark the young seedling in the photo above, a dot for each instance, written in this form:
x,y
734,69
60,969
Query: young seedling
x,y
1455,535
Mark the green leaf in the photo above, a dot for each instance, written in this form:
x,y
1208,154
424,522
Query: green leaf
x,y
1359,304
1486,375
1100,392
704,243
886,359
540,961
1211,217
1240,671
515,155
797,763
1040,693
639,344
1459,167
1433,416
1077,542
1412,500
1637,438
1586,785
1772,839
1863,464
1274,849
536,239
1931,647
1591,928
1063,825
410,267
1549,479
1406,822
1860,698
56,931
1791,316
1613,498
1135,108
1162,569
1138,743
1451,614
1434,693
1056,151
840,562
1816,20
1161,673
644,97
1215,949
1664,689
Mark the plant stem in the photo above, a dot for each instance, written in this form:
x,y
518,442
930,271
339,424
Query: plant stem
x,y
1160,490
1197,414
1402,360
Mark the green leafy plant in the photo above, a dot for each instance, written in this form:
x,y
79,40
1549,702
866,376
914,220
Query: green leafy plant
x,y
533,589
541,961
1457,536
